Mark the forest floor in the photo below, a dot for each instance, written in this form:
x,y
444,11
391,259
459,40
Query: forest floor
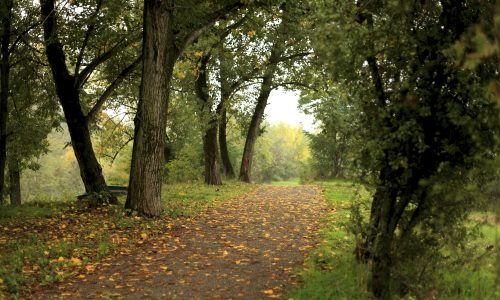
x,y
246,248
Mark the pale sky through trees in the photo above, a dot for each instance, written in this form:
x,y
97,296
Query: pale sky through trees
x,y
282,107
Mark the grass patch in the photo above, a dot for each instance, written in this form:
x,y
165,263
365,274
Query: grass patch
x,y
331,271
186,200
43,242
289,182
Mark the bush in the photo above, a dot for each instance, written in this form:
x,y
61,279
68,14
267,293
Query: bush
x,y
187,166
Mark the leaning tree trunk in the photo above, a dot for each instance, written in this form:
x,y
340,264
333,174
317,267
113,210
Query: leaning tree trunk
x,y
224,153
159,56
68,94
253,130
14,182
6,18
265,90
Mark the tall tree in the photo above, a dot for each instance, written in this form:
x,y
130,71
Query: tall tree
x,y
168,28
5,44
33,113
69,87
285,47
426,123
210,149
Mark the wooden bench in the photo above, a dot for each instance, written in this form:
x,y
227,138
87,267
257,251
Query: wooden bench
x,y
118,190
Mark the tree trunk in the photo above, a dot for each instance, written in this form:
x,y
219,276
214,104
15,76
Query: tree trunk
x,y
159,56
253,130
381,266
6,19
160,50
265,90
14,182
224,153
226,90
210,150
68,94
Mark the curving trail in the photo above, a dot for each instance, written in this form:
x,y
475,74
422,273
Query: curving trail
x,y
245,249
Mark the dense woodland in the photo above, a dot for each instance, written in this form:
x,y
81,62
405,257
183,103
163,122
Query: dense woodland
x,y
150,94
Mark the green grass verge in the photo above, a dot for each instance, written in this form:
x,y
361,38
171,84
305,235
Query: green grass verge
x,y
331,271
43,242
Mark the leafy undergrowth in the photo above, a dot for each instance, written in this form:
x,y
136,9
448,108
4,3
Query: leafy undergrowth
x,y
331,272
47,241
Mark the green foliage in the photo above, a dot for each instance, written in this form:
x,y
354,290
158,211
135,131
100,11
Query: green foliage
x,y
187,166
335,144
58,174
281,153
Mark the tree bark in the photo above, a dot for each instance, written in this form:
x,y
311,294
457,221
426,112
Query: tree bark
x,y
381,266
161,48
210,149
159,56
6,19
226,89
69,98
224,153
253,129
14,182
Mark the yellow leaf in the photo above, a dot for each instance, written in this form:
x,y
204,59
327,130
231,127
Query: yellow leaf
x,y
60,258
90,268
76,261
163,267
268,292
251,33
144,236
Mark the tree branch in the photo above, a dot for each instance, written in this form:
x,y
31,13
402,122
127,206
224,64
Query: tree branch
x,y
105,95
209,21
20,36
90,29
292,56
84,75
295,83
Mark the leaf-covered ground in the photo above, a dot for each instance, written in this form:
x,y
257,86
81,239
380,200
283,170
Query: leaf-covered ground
x,y
246,248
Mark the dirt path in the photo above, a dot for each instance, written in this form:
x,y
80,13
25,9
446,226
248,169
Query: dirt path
x,y
245,249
